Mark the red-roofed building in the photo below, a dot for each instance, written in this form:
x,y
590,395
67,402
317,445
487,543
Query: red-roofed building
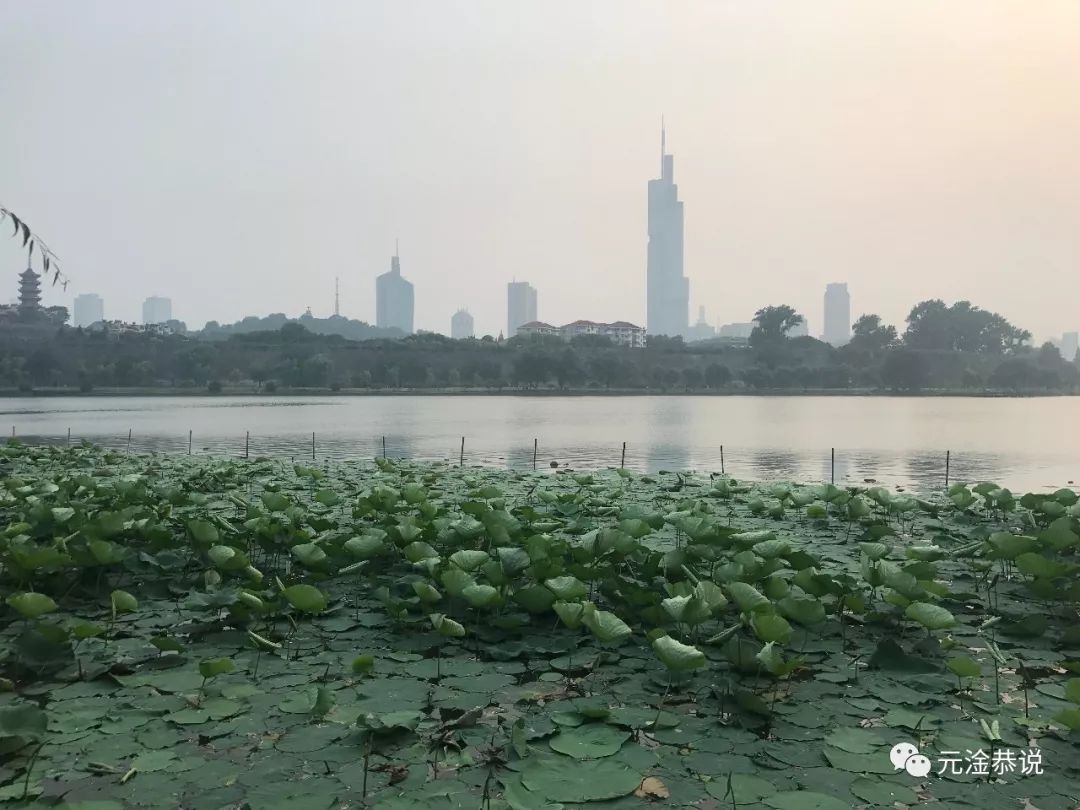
x,y
537,328
621,333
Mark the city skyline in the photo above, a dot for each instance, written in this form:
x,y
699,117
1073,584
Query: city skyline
x,y
938,163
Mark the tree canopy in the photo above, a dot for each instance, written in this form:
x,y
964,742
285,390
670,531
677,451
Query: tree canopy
x,y
962,327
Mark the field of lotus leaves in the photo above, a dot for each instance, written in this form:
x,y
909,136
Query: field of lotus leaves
x,y
221,633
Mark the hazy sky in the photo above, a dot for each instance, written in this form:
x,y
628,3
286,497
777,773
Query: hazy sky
x,y
237,156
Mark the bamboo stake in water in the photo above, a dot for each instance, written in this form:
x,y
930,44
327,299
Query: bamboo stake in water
x,y
722,471
69,437
461,459
833,475
247,444
313,445
384,447
129,442
535,444
189,442
948,453
622,461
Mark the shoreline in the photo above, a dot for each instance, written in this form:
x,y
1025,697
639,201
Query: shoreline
x,y
246,391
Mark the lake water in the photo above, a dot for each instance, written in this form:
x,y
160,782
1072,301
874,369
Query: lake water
x,y
1026,444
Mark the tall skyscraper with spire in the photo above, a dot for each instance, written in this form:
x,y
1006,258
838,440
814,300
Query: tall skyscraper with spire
x,y
667,289
394,301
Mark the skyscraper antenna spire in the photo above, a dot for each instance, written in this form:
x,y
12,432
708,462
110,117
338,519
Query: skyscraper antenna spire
x,y
663,143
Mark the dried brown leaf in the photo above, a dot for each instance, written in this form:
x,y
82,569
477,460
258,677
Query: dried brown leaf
x,y
652,788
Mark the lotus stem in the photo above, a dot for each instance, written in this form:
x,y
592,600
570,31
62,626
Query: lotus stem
x,y
30,768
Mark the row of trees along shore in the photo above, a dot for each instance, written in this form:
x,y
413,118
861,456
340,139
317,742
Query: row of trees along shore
x,y
953,348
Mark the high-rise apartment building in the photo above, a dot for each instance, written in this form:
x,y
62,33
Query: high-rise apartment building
x,y
837,314
461,325
1070,342
667,289
394,299
156,309
88,309
520,305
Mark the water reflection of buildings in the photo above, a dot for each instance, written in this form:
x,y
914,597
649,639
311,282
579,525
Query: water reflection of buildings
x,y
669,445
927,470
659,456
775,464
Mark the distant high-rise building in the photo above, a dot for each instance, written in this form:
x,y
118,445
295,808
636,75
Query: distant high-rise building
x,y
156,309
520,305
461,325
736,330
88,309
667,289
702,330
394,299
1070,342
837,314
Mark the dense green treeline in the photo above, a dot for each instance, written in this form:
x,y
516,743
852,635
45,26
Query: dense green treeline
x,y
958,348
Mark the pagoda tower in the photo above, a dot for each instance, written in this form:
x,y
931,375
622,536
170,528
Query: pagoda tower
x,y
29,292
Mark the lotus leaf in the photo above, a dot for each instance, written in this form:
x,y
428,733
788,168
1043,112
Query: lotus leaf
x,y
363,664
676,656
964,667
426,593
445,626
213,667
770,626
365,547
22,720
123,602
606,626
419,550
480,596
564,779
932,617
455,580
589,741
535,598
570,613
567,588
305,598
747,597
687,609
469,560
31,605
203,532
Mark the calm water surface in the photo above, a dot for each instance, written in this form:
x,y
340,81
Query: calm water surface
x,y
1021,443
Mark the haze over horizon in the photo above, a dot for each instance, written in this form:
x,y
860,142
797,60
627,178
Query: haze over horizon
x,y
237,157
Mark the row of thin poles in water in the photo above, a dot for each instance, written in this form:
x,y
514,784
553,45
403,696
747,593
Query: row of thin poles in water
x,y
536,447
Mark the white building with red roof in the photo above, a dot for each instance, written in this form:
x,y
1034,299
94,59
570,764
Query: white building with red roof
x,y
621,333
